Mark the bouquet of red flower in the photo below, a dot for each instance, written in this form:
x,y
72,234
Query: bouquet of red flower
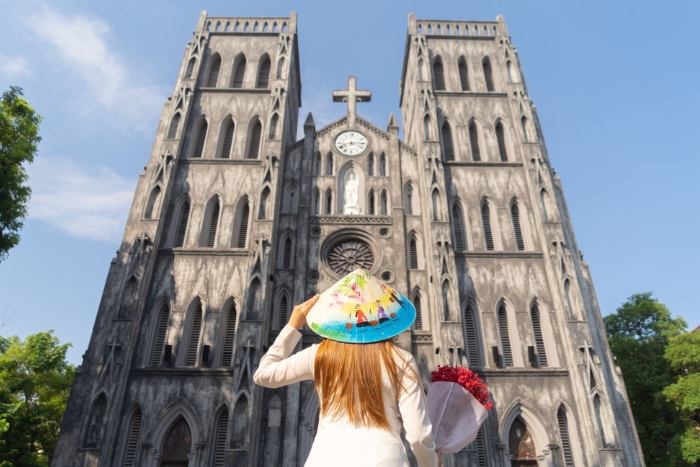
x,y
458,401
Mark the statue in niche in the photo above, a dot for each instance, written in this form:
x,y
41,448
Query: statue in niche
x,y
351,195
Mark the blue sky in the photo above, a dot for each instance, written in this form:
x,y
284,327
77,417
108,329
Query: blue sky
x,y
615,84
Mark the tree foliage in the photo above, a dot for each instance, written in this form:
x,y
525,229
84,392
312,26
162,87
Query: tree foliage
x,y
19,136
639,333
683,353
35,381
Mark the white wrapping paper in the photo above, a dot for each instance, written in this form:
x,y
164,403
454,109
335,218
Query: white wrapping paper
x,y
455,415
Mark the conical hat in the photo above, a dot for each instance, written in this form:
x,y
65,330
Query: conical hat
x,y
359,308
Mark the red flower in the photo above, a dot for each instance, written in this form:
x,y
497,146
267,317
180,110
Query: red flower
x,y
465,378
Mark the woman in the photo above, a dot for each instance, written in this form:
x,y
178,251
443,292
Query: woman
x,y
362,389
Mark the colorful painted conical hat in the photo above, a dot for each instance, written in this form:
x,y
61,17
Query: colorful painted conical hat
x,y
359,308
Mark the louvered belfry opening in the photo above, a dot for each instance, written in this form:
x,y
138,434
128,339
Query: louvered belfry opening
x,y
193,341
228,140
201,139
242,234
486,222
517,231
413,253
501,138
213,224
488,74
284,310
287,253
480,449
229,335
505,338
264,74
182,223
132,442
439,75
160,334
458,227
239,73
255,137
463,74
220,438
447,145
537,331
214,72
418,323
474,141
471,331
565,439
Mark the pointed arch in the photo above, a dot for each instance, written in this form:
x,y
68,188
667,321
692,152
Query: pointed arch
x,y
238,75
371,203
370,164
254,139
601,420
272,131
412,252
426,127
263,80
410,204
273,431
544,201
458,230
94,430
517,230
563,425
177,444
153,203
329,164
182,220
539,435
241,224
190,68
210,224
213,71
290,201
133,436
501,139
504,335
382,165
328,200
160,332
417,303
220,437
448,150
486,224
283,310
446,313
438,74
194,332
523,127
286,251
384,203
435,197
226,137
317,164
488,74
463,73
474,141
567,292
280,68
254,300
200,141
317,202
262,209
241,421
471,327
537,334
174,125
510,72
229,322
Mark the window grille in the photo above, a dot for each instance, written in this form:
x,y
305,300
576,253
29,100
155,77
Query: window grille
x,y
418,323
243,226
463,75
182,224
220,438
439,75
564,435
229,334
458,227
472,342
239,74
500,137
474,142
132,442
413,254
447,146
284,310
486,221
505,339
213,224
195,330
228,141
537,331
159,340
515,216
201,138
287,254
488,74
214,72
264,75
255,136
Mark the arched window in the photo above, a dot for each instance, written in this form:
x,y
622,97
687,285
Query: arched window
x,y
254,136
263,203
503,334
190,68
418,323
329,202
201,139
211,223
272,132
264,74
220,438
488,74
382,165
408,200
289,202
439,75
544,201
183,218
564,436
287,253
537,331
283,310
280,68
517,231
420,69
474,141
329,164
317,164
463,74
214,68
229,335
412,254
460,240
317,202
132,439
227,143
486,223
174,125
371,210
370,164
384,203
523,126
510,73
472,339
241,419
426,127
447,146
95,428
177,445
160,334
501,138
436,205
194,335
567,292
521,445
240,237
446,300
152,202
239,71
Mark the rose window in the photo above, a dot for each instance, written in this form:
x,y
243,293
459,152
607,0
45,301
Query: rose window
x,y
349,255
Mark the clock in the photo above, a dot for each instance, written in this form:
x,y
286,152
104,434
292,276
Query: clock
x,y
351,143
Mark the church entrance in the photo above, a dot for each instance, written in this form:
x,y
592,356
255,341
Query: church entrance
x,y
177,445
522,447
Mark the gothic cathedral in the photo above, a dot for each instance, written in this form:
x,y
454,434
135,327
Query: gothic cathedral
x,y
234,222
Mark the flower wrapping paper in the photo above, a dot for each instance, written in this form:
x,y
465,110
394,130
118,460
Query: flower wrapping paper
x,y
455,414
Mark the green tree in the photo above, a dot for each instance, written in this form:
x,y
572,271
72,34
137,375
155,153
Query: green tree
x,y
35,381
19,136
683,353
639,332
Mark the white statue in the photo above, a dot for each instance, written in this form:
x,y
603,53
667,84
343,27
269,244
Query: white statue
x,y
351,195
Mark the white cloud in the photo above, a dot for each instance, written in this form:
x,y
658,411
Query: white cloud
x,y
85,202
81,43
14,67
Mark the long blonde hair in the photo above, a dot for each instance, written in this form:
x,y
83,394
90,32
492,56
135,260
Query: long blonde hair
x,y
345,375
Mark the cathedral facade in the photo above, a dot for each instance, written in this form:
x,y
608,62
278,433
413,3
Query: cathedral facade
x,y
234,222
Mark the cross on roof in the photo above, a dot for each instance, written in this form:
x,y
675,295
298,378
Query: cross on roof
x,y
352,95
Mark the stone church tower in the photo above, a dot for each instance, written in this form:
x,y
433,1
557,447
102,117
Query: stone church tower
x,y
234,221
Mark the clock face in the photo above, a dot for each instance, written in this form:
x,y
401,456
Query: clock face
x,y
351,143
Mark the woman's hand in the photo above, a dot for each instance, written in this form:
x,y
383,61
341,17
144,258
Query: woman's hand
x,y
298,318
